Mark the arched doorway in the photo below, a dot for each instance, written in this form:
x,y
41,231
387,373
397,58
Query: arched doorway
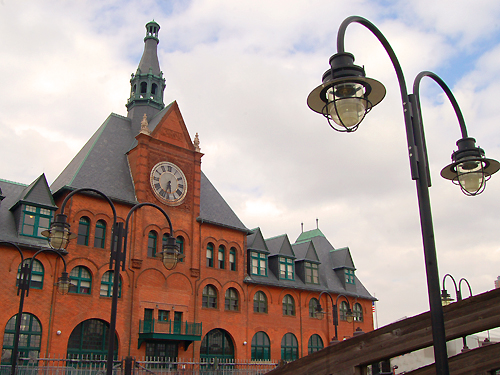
x,y
29,339
89,340
217,344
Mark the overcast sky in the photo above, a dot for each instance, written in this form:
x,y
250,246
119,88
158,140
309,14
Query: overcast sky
x,y
241,72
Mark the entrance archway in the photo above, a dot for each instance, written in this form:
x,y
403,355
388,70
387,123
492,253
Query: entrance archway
x,y
217,344
89,340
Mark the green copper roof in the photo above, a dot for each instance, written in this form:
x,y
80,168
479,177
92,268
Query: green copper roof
x,y
310,234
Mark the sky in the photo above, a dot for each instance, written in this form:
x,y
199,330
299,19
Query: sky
x,y
241,72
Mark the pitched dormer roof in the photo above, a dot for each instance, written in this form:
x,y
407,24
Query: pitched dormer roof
x,y
280,245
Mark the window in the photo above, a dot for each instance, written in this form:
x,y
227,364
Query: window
x,y
152,239
261,347
100,234
153,89
288,305
209,297
357,311
259,263
312,273
289,347
313,304
286,268
231,302
221,256
260,302
315,343
160,352
83,231
29,340
210,255
81,280
89,340
37,273
180,244
144,87
343,310
349,276
217,344
232,259
35,220
107,285
163,315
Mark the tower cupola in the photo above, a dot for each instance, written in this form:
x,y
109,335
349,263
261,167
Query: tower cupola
x,y
147,84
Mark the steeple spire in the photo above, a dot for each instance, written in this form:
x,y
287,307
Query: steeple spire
x,y
147,84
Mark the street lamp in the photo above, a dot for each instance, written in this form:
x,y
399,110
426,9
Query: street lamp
x,y
446,298
335,319
344,98
60,234
23,288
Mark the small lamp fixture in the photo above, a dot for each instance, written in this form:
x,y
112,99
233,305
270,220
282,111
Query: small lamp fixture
x,y
63,284
346,95
469,168
349,316
59,233
170,255
319,313
445,298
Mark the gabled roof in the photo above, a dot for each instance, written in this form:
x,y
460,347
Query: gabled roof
x,y
341,258
37,193
280,245
305,251
306,236
255,241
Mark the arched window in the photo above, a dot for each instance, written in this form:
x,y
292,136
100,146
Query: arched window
x,y
180,244
260,302
261,347
89,339
288,305
232,259
313,304
289,347
220,257
210,254
100,234
231,301
315,343
144,87
217,344
209,297
357,311
30,338
83,231
152,240
37,273
107,285
343,310
81,280
154,88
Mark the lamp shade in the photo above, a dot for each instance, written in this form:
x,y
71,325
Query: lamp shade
x,y
170,254
445,298
59,233
63,283
469,168
346,95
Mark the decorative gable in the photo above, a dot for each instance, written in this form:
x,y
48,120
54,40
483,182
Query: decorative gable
x,y
170,128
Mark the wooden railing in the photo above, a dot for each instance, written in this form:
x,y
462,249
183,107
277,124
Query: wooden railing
x,y
352,356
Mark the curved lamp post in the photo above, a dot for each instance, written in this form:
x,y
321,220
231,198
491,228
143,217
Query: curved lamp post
x,y
446,298
23,288
59,236
335,318
344,98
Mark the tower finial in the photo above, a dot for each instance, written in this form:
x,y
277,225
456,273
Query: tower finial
x,y
197,143
317,223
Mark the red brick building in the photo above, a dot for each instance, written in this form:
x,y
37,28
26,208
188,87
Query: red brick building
x,y
234,295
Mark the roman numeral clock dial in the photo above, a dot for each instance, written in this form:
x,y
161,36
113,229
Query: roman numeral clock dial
x,y
168,183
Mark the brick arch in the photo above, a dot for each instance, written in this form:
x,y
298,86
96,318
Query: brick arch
x,y
151,273
262,288
209,280
175,276
309,296
235,285
237,246
123,274
82,261
292,292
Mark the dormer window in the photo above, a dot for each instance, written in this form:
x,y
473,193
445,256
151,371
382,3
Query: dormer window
x,y
286,268
349,276
258,263
312,274
35,221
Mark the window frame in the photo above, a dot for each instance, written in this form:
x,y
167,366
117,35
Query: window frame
x,y
288,304
260,347
232,259
109,285
100,238
260,305
37,273
83,231
314,344
210,255
357,312
76,281
39,214
312,273
231,300
209,297
349,276
289,347
286,268
256,266
152,248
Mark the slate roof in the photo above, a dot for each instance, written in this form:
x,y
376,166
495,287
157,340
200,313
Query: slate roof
x,y
313,244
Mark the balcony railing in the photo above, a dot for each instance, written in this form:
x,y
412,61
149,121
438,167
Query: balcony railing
x,y
168,330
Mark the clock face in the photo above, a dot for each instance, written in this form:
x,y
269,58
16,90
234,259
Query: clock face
x,y
168,183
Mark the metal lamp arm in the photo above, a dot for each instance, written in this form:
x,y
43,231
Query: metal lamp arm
x,y
452,279
32,260
460,289
401,80
449,94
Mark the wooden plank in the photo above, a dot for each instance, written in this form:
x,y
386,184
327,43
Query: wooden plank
x,y
477,361
475,314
